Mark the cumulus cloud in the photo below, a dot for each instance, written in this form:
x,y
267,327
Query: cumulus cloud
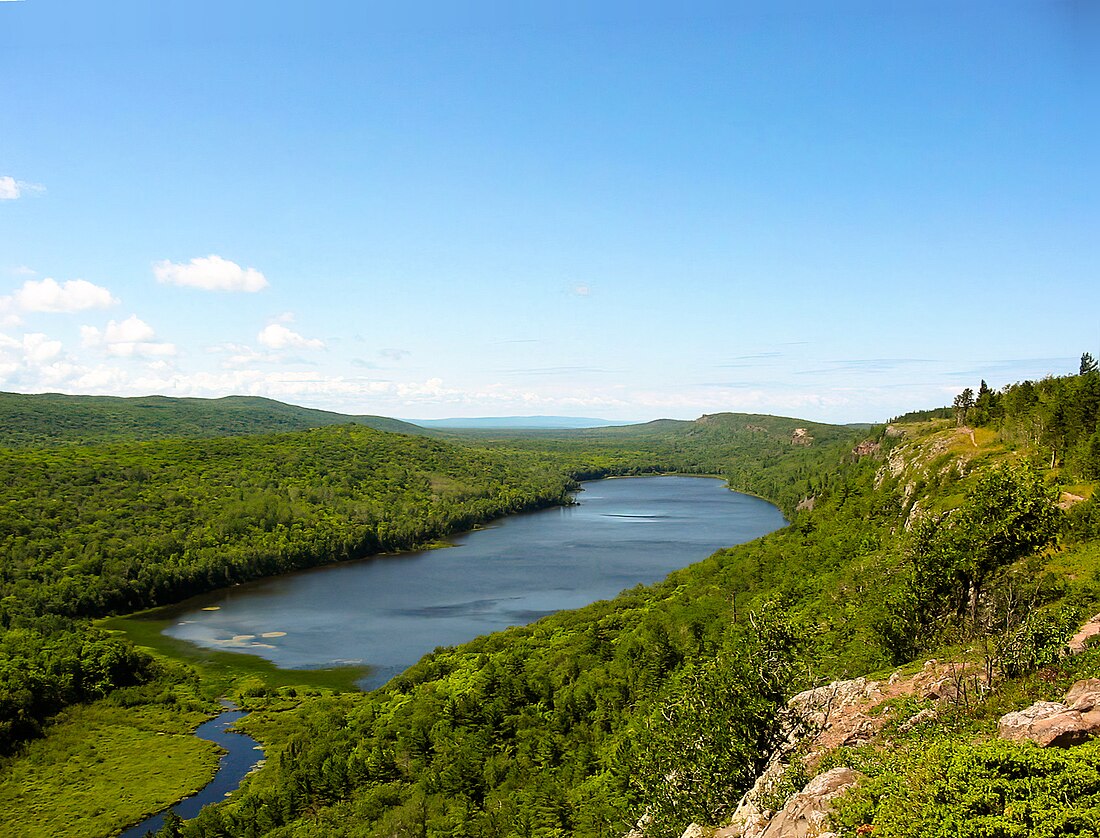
x,y
33,362
8,317
38,348
11,189
210,273
277,336
57,297
131,337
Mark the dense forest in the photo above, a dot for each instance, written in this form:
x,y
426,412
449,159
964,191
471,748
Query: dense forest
x,y
931,535
56,419
89,528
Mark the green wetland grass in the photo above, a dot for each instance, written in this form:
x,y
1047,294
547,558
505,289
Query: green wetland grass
x,y
100,768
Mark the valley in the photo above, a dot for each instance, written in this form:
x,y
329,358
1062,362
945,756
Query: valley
x,y
574,721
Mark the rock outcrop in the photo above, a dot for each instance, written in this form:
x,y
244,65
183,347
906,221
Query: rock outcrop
x,y
801,436
805,815
851,712
867,448
1057,724
1086,636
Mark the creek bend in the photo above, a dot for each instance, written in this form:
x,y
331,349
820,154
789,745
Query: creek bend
x,y
241,755
387,611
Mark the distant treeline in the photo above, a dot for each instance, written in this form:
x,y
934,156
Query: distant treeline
x,y
57,419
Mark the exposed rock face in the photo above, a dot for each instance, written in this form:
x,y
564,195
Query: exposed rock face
x,y
845,712
1084,695
749,819
806,504
1057,724
851,712
1086,636
806,814
866,448
801,436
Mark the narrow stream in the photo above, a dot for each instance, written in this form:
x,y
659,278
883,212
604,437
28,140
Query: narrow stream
x,y
242,754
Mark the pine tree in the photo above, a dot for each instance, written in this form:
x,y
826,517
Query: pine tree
x,y
963,402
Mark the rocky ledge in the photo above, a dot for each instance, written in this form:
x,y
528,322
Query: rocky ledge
x,y
1057,724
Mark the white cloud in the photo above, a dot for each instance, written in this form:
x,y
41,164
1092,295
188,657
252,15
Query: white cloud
x,y
8,317
210,273
394,354
38,348
33,363
132,336
51,296
242,355
130,330
11,189
278,336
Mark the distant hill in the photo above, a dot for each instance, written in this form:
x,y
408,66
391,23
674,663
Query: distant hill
x,y
518,422
53,418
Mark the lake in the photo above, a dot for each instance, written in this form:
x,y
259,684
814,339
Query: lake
x,y
387,611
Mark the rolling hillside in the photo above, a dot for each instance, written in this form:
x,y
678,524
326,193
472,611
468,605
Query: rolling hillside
x,y
53,418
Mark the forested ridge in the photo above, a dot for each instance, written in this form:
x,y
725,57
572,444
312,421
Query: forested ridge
x,y
57,419
663,702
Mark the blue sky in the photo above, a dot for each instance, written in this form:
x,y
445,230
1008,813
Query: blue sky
x,y
834,210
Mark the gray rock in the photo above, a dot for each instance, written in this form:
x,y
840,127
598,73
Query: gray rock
x,y
806,814
1057,724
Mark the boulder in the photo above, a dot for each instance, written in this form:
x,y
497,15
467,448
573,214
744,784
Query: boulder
x,y
1057,724
806,814
1084,695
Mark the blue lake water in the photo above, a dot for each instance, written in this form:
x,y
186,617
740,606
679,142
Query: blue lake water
x,y
388,611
